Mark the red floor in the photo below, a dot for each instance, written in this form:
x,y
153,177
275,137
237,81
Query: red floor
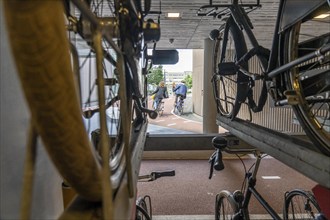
x,y
190,192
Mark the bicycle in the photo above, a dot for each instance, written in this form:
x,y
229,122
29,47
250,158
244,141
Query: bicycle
x,y
160,107
294,72
178,109
60,91
298,204
143,204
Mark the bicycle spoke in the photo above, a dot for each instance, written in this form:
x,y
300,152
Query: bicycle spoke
x,y
300,205
229,46
309,79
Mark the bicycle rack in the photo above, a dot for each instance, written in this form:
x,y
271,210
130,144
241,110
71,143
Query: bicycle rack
x,y
292,151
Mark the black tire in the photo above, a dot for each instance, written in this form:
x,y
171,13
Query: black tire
x,y
225,206
56,114
300,205
123,96
311,87
160,108
142,210
230,90
118,127
180,107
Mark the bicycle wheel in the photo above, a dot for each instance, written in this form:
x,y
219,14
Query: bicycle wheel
x,y
142,210
41,51
102,57
231,88
225,206
160,108
179,107
310,80
43,62
300,205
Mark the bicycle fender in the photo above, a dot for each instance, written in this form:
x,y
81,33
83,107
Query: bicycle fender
x,y
294,11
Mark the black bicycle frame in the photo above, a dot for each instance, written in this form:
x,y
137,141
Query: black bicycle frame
x,y
270,66
252,191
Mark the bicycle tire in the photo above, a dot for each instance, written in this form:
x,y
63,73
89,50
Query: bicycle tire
x,y
231,89
312,112
180,111
44,68
142,210
160,108
225,206
43,65
300,204
180,108
89,85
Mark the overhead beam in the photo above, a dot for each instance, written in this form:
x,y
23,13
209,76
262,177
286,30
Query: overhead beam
x,y
296,153
183,142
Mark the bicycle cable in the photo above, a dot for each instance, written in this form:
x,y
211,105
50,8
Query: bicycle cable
x,y
243,187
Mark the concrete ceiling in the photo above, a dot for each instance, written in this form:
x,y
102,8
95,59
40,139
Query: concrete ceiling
x,y
190,30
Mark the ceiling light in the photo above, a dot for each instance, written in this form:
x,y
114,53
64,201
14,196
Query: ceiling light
x,y
173,15
321,16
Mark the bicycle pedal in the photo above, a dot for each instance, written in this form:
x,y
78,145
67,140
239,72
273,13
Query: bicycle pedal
x,y
292,97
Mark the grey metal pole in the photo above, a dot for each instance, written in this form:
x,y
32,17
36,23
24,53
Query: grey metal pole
x,y
209,106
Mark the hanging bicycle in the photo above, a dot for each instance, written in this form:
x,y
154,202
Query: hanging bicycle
x,y
111,37
295,71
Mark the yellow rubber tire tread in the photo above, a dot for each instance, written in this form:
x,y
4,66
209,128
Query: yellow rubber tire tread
x,y
41,52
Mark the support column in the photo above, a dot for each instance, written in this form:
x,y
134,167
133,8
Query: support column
x,y
209,106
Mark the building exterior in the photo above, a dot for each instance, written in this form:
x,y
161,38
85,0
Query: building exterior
x,y
175,77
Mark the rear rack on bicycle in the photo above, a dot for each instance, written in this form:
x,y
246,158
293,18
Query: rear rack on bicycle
x,y
219,10
292,151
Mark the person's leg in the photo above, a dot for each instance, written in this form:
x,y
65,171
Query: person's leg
x,y
158,102
155,103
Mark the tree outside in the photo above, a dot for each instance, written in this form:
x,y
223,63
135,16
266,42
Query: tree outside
x,y
188,80
155,75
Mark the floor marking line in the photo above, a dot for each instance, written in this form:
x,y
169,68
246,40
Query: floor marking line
x,y
270,177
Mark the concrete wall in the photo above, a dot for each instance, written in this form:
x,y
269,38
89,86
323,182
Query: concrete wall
x,y
197,74
14,121
271,117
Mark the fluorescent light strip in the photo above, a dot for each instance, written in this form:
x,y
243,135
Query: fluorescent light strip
x,y
321,16
173,15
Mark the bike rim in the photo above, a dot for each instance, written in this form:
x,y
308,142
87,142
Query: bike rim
x,y
312,112
231,92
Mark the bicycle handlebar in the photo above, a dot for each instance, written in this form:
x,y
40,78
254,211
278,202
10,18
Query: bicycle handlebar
x,y
156,174
222,144
216,162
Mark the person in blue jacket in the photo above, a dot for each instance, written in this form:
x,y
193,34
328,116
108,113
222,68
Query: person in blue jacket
x,y
180,90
